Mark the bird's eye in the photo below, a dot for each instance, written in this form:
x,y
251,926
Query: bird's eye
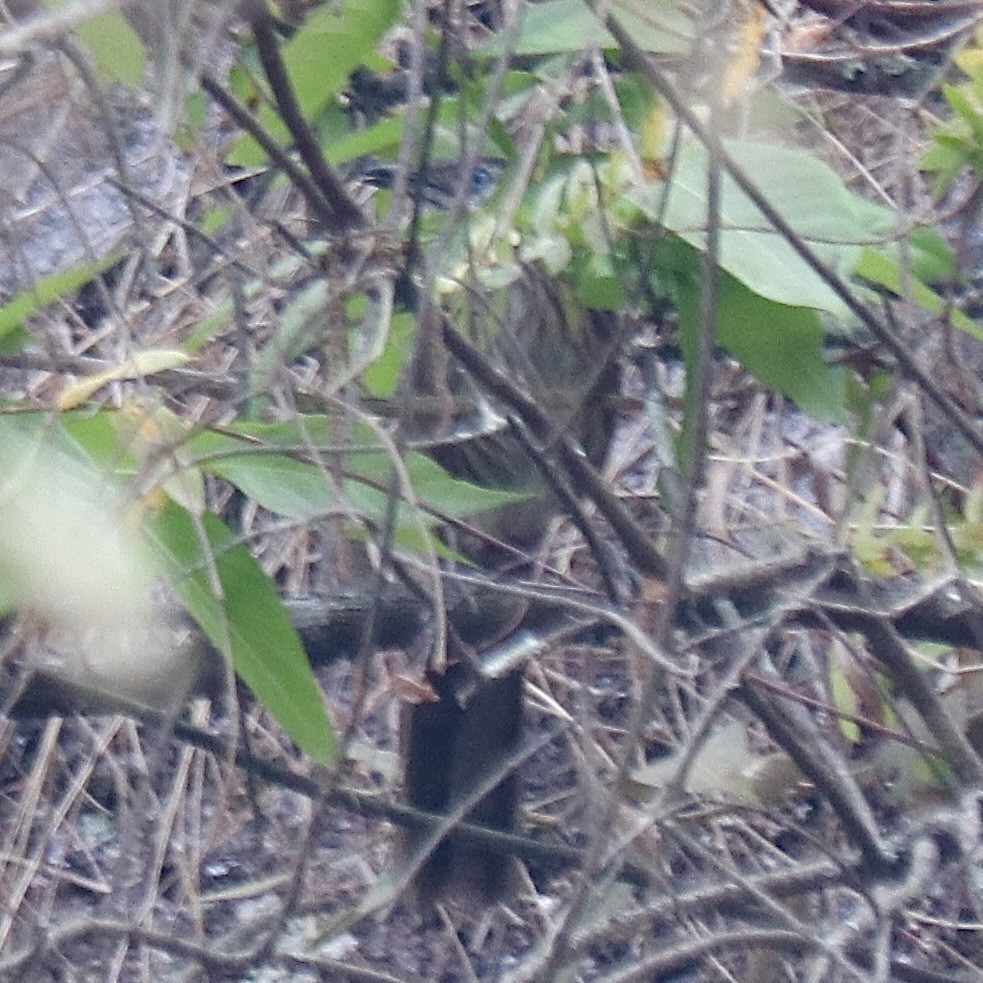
x,y
482,181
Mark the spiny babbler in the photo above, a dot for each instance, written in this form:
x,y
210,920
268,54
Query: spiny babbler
x,y
562,356
438,185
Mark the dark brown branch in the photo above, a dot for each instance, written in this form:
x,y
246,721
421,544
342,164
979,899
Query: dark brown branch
x,y
572,507
634,539
890,650
331,627
795,734
243,118
346,214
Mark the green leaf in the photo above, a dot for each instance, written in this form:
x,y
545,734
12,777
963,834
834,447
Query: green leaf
x,y
118,50
458,499
660,27
93,437
330,45
556,26
835,222
597,285
932,258
781,345
47,290
299,490
562,26
944,154
285,486
248,620
14,340
960,102
382,376
879,268
301,325
215,218
195,110
380,139
295,432
845,699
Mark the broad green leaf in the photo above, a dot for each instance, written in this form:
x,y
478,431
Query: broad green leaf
x,y
958,142
94,436
945,162
960,102
246,152
598,287
556,26
14,340
299,490
779,344
334,41
835,222
660,27
319,59
123,441
559,26
297,432
285,486
932,258
783,347
248,615
379,139
456,498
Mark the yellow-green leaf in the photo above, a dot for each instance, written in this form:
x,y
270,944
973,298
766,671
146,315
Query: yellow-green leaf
x,y
143,363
